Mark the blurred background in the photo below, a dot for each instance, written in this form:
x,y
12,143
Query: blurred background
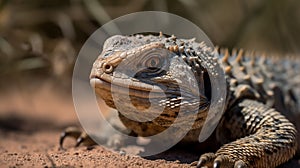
x,y
40,40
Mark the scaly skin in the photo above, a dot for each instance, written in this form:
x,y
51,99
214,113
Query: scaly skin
x,y
253,131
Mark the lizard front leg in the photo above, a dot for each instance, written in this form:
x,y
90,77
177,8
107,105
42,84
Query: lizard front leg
x,y
260,137
109,137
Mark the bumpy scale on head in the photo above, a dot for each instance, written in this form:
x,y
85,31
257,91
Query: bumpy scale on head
x,y
188,63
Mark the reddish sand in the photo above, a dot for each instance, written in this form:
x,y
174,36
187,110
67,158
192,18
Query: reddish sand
x,y
31,121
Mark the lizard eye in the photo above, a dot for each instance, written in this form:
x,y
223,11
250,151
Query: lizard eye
x,y
153,62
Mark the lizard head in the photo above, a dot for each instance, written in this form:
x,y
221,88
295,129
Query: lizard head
x,y
147,76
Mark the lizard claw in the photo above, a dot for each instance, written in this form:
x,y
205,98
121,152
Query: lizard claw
x,y
240,164
222,161
69,132
217,164
80,136
79,141
206,159
210,160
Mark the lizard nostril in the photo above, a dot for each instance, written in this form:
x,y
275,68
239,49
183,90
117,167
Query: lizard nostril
x,y
107,68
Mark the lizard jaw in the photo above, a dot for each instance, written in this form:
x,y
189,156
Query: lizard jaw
x,y
136,90
139,91
141,101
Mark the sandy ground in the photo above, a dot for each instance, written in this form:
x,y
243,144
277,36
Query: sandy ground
x,y
31,121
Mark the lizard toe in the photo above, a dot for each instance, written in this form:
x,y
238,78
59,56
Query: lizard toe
x,y
211,160
73,132
222,161
76,133
217,164
240,164
115,141
206,160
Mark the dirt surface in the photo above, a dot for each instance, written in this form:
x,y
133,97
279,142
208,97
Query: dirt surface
x,y
31,121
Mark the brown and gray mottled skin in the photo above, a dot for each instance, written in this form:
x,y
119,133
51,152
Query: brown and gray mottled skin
x,y
262,92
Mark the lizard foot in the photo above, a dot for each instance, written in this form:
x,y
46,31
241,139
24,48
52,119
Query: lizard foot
x,y
76,133
211,160
113,141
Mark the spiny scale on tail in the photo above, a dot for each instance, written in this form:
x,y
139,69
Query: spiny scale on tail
x,y
252,132
271,80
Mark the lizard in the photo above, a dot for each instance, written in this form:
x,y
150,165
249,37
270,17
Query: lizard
x,y
258,127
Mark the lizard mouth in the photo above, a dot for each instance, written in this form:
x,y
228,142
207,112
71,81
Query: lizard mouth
x,y
166,103
144,101
141,94
136,89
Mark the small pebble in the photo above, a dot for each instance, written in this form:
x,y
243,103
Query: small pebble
x,y
122,153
